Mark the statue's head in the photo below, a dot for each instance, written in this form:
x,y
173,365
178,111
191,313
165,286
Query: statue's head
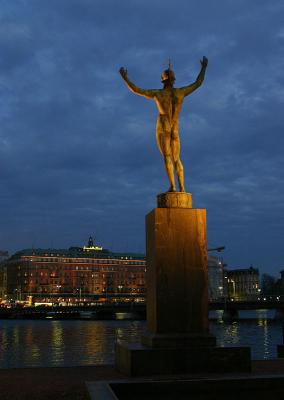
x,y
168,75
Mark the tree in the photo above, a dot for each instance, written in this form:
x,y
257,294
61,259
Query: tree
x,y
268,284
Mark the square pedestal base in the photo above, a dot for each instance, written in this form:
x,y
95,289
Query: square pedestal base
x,y
280,350
137,360
177,340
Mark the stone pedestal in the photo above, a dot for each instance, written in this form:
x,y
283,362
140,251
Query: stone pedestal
x,y
177,294
280,350
174,200
177,339
138,360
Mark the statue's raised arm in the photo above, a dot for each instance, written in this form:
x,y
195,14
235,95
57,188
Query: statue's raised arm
x,y
200,78
149,94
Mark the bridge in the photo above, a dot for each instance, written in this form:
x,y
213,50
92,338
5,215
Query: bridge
x,y
247,305
135,310
95,311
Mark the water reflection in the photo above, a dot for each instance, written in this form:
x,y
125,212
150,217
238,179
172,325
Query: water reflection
x,y
97,342
16,336
256,329
35,353
65,343
3,345
230,335
57,353
263,327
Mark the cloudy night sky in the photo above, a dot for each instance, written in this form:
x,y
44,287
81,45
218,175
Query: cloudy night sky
x,y
78,153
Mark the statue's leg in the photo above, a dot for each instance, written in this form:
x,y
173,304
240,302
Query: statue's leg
x,y
175,148
164,144
180,175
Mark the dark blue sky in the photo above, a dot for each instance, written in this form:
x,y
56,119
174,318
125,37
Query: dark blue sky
x,y
77,150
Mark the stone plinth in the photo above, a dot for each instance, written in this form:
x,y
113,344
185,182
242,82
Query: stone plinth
x,y
138,360
280,350
174,200
177,288
177,339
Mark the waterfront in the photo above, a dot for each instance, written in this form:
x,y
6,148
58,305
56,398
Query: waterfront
x,y
48,343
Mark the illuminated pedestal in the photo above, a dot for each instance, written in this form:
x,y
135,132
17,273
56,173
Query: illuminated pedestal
x,y
177,339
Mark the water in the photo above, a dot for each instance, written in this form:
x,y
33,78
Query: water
x,y
47,343
38,343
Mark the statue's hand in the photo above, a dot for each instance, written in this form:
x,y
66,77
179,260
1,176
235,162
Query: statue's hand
x,y
123,72
204,62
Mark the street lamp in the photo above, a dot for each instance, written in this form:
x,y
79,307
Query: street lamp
x,y
218,249
80,293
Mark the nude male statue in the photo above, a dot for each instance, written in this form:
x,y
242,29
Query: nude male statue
x,y
169,102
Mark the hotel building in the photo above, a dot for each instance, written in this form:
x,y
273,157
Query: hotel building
x,y
78,274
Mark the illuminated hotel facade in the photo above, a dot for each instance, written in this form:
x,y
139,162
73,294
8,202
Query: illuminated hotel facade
x,y
243,284
78,274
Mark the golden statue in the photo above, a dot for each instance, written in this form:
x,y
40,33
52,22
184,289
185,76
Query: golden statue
x,y
169,101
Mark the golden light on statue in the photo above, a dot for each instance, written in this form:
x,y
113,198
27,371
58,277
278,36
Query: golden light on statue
x,y
169,102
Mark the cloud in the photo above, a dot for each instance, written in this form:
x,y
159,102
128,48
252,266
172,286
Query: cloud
x,y
78,151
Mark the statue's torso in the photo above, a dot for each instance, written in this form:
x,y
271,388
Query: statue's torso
x,y
169,102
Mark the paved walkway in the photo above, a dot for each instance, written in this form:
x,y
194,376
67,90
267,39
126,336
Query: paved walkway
x,y
51,383
69,383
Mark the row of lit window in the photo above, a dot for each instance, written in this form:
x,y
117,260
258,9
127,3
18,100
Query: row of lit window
x,y
121,260
64,255
77,267
116,264
58,284
57,274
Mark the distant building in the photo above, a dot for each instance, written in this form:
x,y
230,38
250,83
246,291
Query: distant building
x,y
280,283
270,285
215,278
76,274
243,284
277,289
3,255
